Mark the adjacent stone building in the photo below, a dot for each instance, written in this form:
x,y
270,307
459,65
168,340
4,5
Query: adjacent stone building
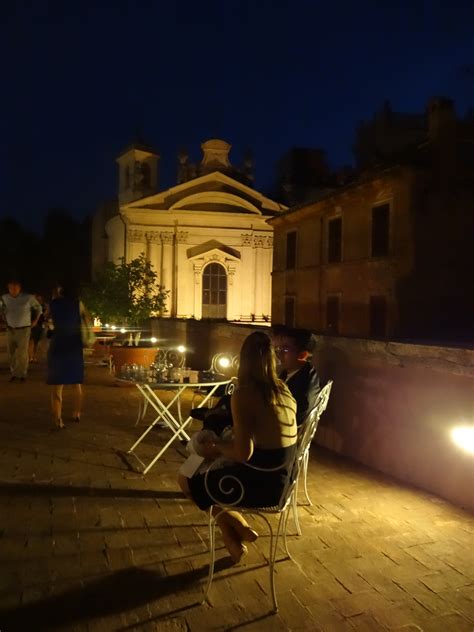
x,y
388,254
207,237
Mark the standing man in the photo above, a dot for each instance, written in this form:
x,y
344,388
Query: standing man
x,y
293,348
21,312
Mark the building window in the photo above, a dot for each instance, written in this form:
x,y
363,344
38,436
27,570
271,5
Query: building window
x,y
332,314
214,291
380,230
335,240
291,250
378,316
290,311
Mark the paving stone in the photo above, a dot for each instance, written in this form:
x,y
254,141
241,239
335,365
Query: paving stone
x,y
365,623
444,580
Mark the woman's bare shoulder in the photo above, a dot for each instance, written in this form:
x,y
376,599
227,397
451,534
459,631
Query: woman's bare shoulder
x,y
244,393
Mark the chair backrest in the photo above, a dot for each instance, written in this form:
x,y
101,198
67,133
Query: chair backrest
x,y
307,432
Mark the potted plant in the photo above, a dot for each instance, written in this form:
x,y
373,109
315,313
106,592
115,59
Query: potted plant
x,y
124,297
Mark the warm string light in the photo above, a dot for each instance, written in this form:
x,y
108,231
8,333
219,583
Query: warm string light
x,y
463,437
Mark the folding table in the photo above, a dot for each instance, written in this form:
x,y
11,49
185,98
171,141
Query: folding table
x,y
150,396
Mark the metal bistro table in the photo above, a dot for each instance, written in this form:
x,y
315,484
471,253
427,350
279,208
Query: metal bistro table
x,y
164,411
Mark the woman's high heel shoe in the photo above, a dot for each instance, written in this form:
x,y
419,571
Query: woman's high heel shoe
x,y
236,549
247,534
58,424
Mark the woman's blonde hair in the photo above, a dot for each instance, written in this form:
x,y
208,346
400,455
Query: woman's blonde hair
x,y
258,367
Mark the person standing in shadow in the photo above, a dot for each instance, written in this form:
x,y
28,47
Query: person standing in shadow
x,y
65,353
21,312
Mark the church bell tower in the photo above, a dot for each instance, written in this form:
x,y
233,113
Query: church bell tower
x,y
138,172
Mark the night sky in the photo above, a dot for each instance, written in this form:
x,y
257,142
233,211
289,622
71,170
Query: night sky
x,y
79,79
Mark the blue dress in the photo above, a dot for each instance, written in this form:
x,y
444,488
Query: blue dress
x,y
65,356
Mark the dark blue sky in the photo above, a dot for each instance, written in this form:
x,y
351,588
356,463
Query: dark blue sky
x,y
78,78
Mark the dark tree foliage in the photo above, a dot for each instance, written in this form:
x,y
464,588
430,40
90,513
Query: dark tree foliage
x,y
61,253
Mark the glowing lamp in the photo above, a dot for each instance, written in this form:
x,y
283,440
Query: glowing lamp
x,y
181,348
113,327
123,331
463,437
224,362
107,325
153,340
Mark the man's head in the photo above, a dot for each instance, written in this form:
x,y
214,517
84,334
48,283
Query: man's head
x,y
293,346
14,287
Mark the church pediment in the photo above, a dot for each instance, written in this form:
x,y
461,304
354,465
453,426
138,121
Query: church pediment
x,y
215,200
213,249
212,192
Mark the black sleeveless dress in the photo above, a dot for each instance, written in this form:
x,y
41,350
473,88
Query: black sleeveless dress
x,y
65,355
243,485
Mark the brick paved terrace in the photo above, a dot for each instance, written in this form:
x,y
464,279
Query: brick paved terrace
x,y
88,544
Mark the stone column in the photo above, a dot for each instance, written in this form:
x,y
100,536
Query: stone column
x,y
154,252
197,272
136,243
183,276
232,314
247,274
166,275
259,277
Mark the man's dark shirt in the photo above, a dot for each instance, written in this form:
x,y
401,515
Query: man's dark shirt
x,y
304,386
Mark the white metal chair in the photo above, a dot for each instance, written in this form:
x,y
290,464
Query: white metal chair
x,y
320,406
221,364
231,485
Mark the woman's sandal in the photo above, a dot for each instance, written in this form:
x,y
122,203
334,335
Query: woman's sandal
x,y
247,534
57,425
77,418
236,549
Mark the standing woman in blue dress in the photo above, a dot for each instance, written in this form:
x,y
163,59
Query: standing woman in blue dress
x,y
65,354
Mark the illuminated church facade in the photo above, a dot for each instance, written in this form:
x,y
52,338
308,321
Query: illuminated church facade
x,y
207,237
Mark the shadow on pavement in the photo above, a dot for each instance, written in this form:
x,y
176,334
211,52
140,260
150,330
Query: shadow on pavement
x,y
39,489
120,592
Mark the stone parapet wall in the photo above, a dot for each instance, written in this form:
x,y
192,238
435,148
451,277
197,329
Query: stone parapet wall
x,y
393,407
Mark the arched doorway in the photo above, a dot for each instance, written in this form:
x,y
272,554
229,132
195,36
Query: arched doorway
x,y
214,291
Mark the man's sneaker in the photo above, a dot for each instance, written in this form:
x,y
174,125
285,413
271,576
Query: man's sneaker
x,y
12,379
21,379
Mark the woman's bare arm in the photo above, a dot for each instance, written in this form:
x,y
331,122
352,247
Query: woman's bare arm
x,y
241,447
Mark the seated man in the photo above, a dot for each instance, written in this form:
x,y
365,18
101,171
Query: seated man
x,y
293,348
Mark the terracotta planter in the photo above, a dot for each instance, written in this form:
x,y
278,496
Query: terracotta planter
x,y
132,355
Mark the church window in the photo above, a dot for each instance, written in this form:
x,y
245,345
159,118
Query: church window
x,y
214,291
146,175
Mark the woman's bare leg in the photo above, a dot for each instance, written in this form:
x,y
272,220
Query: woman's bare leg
x,y
57,404
77,401
232,524
183,483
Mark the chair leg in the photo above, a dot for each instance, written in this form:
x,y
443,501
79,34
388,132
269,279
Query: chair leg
x,y
305,477
273,552
212,550
285,533
294,503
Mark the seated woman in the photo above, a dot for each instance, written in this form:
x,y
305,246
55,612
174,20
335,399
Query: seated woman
x,y
265,434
